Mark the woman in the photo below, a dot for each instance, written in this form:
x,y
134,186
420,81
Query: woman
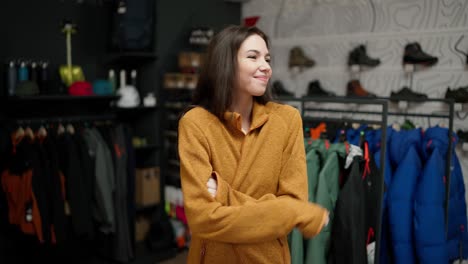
x,y
243,168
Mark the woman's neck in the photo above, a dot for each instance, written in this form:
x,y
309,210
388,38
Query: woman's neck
x,y
244,108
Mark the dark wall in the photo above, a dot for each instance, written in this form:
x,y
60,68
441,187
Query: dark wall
x,y
32,30
175,18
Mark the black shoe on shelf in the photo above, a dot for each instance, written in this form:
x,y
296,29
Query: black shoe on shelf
x,y
315,89
358,56
459,95
406,94
279,90
414,54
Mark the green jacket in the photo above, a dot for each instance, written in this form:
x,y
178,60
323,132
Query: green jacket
x,y
326,195
315,157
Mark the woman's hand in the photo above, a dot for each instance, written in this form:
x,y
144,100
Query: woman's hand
x,y
212,186
327,219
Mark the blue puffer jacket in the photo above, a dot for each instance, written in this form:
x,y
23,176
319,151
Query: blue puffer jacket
x,y
429,213
457,220
457,235
375,146
407,163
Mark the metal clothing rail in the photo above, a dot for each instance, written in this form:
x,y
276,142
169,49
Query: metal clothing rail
x,y
450,116
384,113
383,124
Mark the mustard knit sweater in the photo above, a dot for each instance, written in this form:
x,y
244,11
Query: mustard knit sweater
x,y
262,185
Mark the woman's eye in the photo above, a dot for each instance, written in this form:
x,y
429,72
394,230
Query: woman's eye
x,y
268,60
252,57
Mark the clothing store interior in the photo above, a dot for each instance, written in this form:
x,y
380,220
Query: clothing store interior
x,y
91,93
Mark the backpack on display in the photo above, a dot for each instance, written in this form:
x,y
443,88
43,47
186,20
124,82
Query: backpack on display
x,y
133,25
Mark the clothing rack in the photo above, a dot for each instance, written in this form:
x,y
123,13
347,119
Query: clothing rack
x,y
449,116
383,113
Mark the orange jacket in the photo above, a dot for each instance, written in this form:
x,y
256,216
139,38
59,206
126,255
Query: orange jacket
x,y
20,196
262,185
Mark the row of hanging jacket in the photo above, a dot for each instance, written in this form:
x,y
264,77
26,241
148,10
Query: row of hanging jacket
x,y
413,209
70,183
344,179
414,205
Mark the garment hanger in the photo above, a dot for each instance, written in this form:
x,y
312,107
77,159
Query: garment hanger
x,y
355,125
42,131
29,132
19,132
60,128
396,126
70,129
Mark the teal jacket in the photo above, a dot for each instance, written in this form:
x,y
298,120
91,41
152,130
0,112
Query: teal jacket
x,y
315,157
326,195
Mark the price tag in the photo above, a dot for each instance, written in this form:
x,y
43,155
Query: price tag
x,y
355,68
408,68
465,146
403,104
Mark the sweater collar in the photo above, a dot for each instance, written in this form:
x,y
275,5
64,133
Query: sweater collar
x,y
259,117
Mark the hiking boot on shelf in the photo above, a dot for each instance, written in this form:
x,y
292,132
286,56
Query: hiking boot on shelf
x,y
355,89
279,90
406,94
315,89
459,95
297,58
414,54
358,56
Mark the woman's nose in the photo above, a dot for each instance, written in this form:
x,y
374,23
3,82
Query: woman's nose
x,y
265,67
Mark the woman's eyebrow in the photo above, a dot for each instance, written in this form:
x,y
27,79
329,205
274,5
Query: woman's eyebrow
x,y
258,52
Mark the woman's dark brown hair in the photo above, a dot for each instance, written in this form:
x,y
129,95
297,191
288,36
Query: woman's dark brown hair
x,y
218,77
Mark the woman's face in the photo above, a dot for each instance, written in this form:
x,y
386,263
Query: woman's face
x,y
254,70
